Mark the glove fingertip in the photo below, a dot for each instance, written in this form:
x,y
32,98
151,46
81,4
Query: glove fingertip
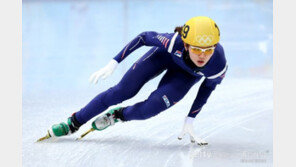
x,y
104,77
90,78
91,81
95,81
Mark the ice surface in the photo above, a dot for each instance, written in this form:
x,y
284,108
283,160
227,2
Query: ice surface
x,y
236,121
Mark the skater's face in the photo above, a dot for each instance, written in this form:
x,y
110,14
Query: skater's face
x,y
200,55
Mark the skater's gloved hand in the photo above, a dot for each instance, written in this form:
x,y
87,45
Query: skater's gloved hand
x,y
103,72
188,129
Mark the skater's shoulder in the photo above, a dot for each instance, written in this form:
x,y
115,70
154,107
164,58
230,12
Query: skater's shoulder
x,y
176,43
218,57
156,34
220,50
217,65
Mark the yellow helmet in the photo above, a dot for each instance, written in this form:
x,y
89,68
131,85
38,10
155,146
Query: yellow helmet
x,y
200,31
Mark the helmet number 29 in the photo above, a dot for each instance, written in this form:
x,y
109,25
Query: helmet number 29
x,y
185,30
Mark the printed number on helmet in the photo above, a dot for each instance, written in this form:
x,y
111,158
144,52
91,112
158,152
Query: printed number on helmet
x,y
185,30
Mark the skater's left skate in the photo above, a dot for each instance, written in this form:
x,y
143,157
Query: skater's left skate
x,y
109,119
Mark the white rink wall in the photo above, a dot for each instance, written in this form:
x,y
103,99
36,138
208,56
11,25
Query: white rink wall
x,y
65,41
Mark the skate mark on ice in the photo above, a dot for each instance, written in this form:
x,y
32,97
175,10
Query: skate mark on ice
x,y
232,123
247,129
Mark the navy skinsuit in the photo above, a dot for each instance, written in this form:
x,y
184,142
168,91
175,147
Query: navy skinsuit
x,y
166,54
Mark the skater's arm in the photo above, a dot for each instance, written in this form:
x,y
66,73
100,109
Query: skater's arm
x,y
204,92
148,38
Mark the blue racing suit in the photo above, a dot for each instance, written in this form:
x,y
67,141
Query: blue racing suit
x,y
167,53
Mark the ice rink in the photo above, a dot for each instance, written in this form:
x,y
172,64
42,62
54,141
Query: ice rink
x,y
64,42
237,123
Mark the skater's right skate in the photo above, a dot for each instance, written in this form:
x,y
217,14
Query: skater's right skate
x,y
62,129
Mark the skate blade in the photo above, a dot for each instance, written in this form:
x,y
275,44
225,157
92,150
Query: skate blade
x,y
84,134
199,143
43,138
202,144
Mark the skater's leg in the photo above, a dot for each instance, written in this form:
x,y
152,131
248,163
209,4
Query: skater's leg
x,y
172,88
147,67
